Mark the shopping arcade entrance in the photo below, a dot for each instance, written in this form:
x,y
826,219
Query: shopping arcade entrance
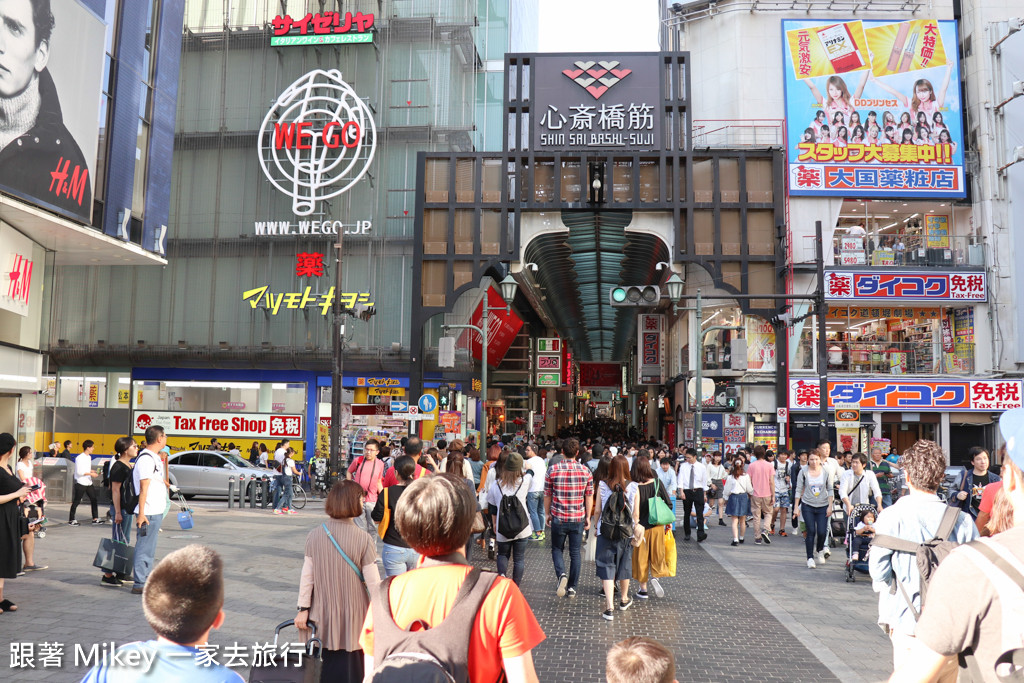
x,y
481,213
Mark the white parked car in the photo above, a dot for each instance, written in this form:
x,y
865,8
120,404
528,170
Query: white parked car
x,y
206,473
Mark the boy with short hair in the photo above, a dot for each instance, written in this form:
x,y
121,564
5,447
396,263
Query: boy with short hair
x,y
183,601
640,660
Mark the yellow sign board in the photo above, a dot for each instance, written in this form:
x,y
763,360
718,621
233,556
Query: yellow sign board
x,y
386,391
123,396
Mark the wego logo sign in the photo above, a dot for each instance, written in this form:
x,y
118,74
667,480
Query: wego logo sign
x,y
317,141
605,74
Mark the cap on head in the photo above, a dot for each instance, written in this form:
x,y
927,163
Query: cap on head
x,y
1011,426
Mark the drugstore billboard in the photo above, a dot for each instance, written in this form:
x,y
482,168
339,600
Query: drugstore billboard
x,y
873,108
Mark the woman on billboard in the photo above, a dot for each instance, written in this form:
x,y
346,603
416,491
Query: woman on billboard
x,y
923,98
838,100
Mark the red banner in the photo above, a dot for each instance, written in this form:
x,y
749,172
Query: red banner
x,y
600,376
502,328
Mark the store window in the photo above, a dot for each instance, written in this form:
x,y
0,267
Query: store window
x,y
99,390
905,234
220,397
900,340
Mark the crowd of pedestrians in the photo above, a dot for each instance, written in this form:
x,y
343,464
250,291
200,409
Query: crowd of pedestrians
x,y
614,504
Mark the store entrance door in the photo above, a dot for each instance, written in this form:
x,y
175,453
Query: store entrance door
x,y
903,435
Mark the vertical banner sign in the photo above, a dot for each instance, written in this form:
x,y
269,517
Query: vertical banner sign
x,y
650,350
937,229
760,344
873,108
502,328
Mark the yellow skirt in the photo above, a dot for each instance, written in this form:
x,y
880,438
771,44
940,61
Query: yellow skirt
x,y
651,555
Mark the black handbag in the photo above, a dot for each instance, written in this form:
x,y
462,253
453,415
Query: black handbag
x,y
287,668
115,556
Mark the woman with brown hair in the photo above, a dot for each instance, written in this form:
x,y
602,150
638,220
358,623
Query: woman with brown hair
x,y
614,555
339,567
649,557
510,481
737,492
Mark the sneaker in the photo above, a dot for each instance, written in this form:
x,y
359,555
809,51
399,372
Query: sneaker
x,y
810,563
34,567
111,581
757,541
21,573
821,558
721,522
771,530
608,615
97,521
743,540
642,595
278,512
571,592
292,512
74,523
626,605
766,538
562,581
783,534
734,542
826,553
136,591
658,590
541,535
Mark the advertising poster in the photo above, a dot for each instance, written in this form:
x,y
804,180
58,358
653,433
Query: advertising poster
x,y
502,328
54,79
937,228
760,345
873,108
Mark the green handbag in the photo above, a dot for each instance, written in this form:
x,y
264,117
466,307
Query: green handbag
x,y
658,511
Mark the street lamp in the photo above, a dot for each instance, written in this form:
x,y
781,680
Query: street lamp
x,y
508,293
675,285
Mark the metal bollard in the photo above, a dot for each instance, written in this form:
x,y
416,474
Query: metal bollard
x,y
266,493
241,491
231,492
253,483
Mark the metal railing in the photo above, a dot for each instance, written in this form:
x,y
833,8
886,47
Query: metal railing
x,y
922,357
738,133
886,251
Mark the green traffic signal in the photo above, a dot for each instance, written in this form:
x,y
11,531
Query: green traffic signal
x,y
618,294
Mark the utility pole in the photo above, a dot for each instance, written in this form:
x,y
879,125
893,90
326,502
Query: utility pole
x,y
822,351
338,348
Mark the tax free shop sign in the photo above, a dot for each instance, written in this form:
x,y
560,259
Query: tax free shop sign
x,y
257,426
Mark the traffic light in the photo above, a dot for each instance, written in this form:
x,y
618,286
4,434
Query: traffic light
x,y
732,398
634,295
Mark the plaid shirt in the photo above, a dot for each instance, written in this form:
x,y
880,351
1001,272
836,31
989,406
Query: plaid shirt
x,y
567,483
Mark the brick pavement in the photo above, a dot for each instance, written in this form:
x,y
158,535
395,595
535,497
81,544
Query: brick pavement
x,y
725,605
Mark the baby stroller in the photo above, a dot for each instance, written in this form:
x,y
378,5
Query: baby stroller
x,y
861,563
837,523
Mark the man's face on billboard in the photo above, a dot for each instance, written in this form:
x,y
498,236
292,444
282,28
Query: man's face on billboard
x,y
20,57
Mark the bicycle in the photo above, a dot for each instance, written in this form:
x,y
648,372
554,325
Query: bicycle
x,y
298,496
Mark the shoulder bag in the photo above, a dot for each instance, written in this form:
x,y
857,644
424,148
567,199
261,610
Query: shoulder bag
x,y
355,568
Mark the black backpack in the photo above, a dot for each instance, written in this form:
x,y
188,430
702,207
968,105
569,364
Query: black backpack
x,y
436,655
616,517
929,554
512,517
129,496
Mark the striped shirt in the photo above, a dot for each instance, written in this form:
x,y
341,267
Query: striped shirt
x,y
567,483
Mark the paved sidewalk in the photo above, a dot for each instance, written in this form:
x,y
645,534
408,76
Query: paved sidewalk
x,y
728,615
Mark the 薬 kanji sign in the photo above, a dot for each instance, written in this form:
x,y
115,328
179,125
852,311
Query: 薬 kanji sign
x,y
906,286
909,395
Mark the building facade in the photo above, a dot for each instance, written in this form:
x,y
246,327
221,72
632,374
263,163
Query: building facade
x,y
238,322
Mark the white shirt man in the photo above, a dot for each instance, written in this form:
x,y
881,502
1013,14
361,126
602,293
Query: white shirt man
x,y
859,485
692,481
83,467
280,453
148,480
83,484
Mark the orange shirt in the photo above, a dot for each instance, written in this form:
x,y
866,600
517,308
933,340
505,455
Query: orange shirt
x,y
505,619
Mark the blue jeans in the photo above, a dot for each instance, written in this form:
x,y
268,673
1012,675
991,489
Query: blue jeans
x,y
886,500
517,549
284,485
816,520
398,560
145,550
275,489
559,532
535,508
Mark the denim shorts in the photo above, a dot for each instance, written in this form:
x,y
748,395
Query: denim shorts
x,y
782,500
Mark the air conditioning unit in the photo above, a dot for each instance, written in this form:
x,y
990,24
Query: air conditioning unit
x,y
975,255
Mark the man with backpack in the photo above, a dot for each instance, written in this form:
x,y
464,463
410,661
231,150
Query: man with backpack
x,y
911,537
477,626
976,598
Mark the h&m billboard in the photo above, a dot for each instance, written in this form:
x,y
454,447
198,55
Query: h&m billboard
x,y
51,71
873,108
